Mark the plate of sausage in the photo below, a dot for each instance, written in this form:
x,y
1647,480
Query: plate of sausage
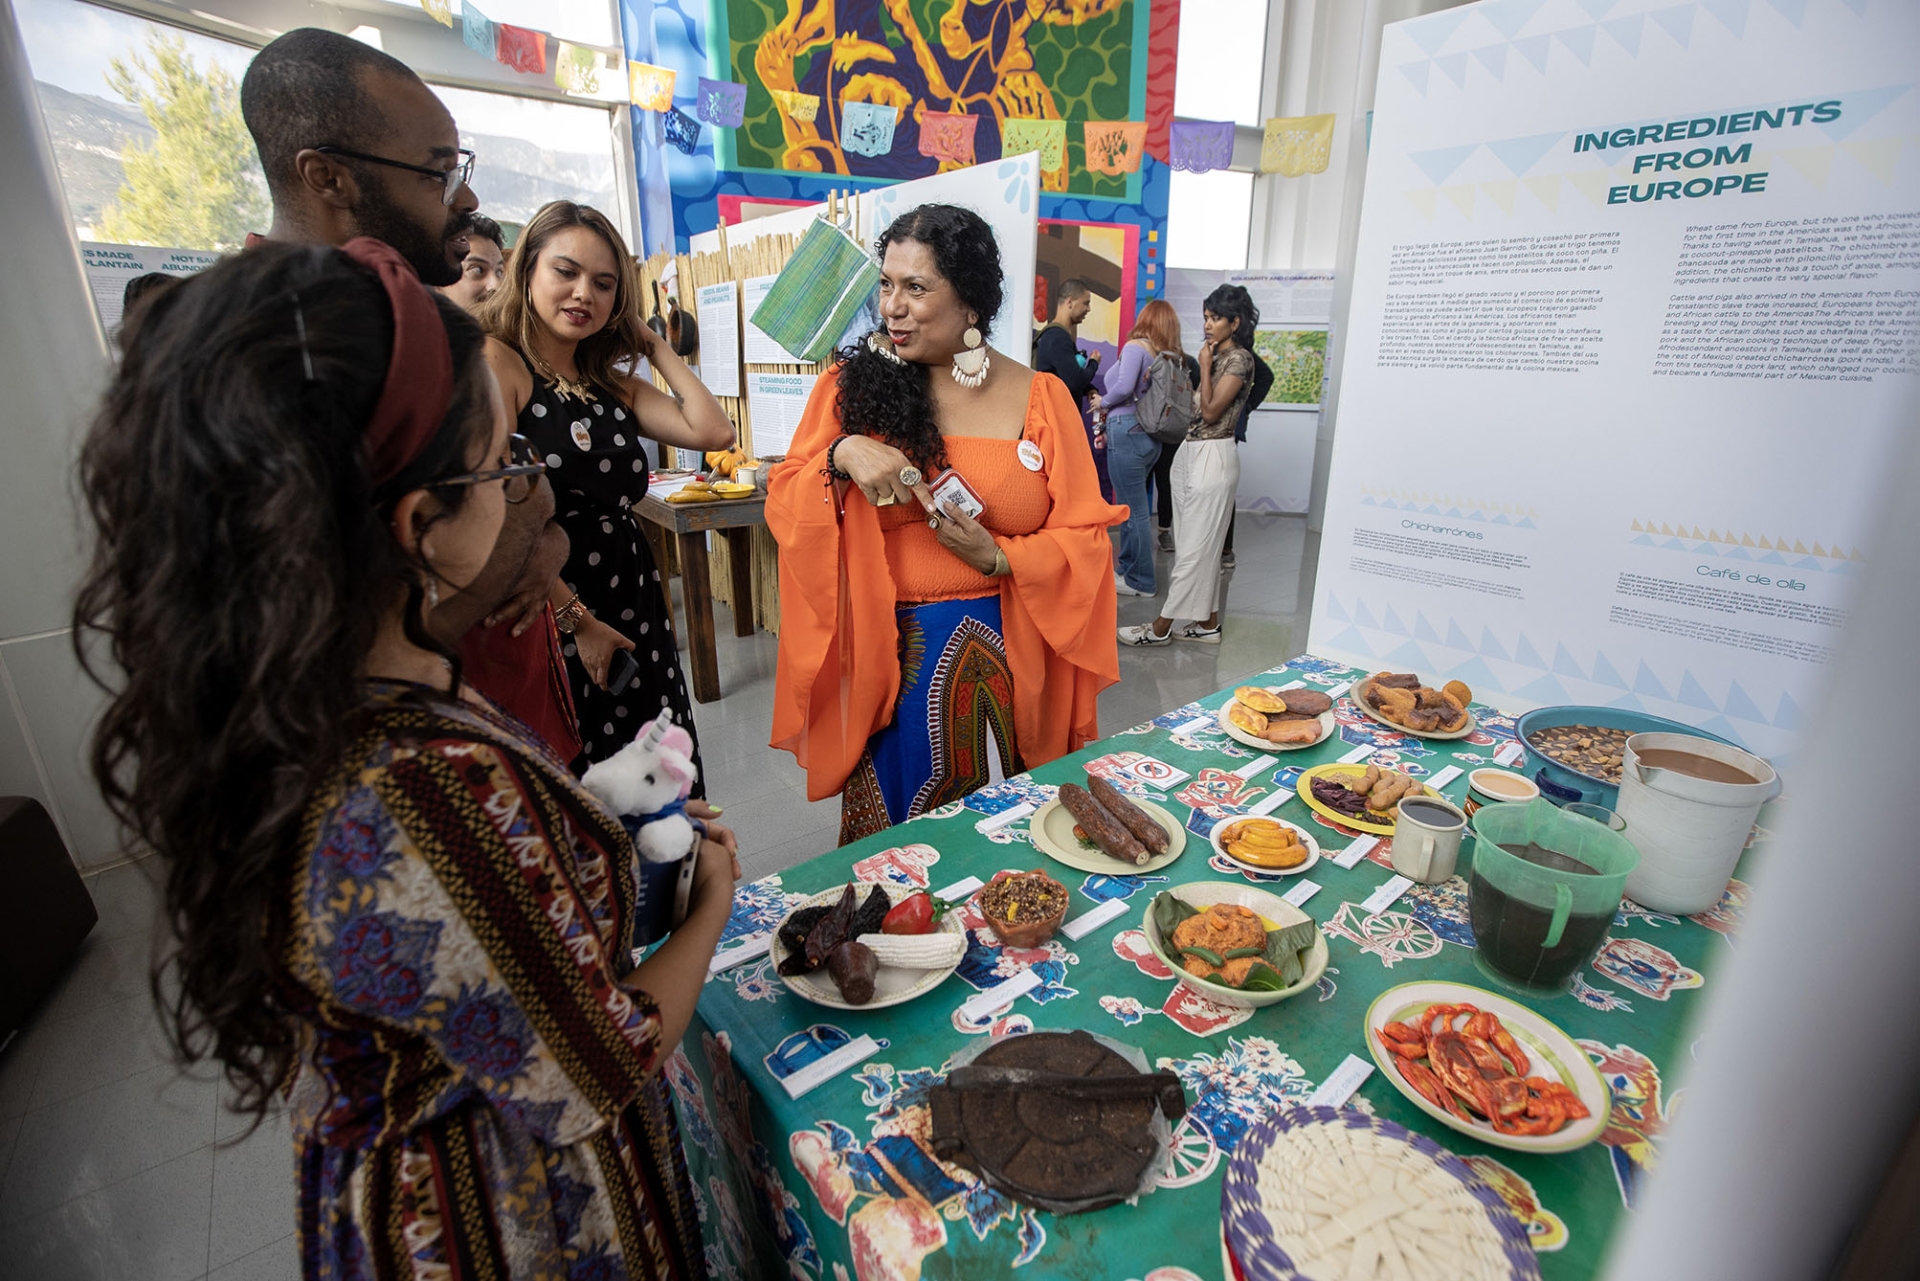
x,y
1097,828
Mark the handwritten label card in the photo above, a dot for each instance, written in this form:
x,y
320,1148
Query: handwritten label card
x,y
1087,922
1383,898
999,996
1351,856
1340,1085
822,1070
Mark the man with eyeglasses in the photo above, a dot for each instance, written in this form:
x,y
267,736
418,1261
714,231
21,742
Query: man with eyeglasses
x,y
355,144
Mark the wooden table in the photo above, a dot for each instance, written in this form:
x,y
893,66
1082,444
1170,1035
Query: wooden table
x,y
689,523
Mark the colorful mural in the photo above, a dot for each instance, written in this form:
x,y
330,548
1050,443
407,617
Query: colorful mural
x,y
996,60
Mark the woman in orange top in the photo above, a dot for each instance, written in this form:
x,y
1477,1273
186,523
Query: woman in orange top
x,y
923,653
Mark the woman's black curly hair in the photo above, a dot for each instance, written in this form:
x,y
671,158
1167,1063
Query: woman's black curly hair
x,y
243,563
1233,302
877,397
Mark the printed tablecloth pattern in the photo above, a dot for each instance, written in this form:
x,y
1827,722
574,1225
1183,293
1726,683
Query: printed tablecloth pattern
x,y
841,1183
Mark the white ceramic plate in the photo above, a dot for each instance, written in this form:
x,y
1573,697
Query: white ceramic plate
x,y
1238,735
1553,1053
1358,695
1306,839
891,985
1204,894
1052,830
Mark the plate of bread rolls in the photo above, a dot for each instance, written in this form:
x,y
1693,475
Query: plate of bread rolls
x,y
1402,701
1282,720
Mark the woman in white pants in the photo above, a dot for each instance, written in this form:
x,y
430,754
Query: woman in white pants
x,y
1205,474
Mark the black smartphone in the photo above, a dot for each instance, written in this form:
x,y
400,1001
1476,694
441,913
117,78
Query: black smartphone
x,y
621,671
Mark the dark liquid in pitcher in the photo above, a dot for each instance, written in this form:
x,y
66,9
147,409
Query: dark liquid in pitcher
x,y
1509,931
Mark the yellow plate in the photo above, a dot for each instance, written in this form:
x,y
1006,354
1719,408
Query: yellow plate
x,y
730,489
1336,771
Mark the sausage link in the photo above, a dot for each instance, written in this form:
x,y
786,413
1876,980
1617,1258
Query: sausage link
x,y
1105,830
1131,816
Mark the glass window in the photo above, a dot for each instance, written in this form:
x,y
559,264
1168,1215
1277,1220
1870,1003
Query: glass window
x,y
1222,51
529,151
145,125
1207,219
581,21
146,130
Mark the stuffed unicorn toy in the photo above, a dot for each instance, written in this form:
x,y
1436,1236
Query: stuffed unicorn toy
x,y
646,783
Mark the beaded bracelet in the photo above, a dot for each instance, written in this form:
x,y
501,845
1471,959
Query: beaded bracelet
x,y
832,470
570,615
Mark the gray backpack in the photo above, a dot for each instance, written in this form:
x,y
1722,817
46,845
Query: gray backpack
x,y
1165,408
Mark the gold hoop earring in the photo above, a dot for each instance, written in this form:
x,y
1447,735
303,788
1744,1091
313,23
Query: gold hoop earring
x,y
970,366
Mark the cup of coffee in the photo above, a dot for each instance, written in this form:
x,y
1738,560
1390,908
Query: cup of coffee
x,y
1495,786
1426,839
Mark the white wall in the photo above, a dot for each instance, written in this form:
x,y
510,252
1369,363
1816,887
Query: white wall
x,y
53,363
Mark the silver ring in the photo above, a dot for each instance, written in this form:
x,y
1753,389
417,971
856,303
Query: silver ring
x,y
910,476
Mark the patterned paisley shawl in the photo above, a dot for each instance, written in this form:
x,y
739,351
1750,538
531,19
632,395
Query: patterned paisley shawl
x,y
476,1094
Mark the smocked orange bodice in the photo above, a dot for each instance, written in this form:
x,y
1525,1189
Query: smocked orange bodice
x,y
1016,504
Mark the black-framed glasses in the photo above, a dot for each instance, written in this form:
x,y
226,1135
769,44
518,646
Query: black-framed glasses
x,y
519,478
461,172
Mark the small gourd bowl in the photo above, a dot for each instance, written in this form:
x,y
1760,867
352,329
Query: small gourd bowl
x,y
1025,934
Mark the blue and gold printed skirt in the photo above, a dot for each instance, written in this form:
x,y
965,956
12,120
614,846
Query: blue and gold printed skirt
x,y
952,730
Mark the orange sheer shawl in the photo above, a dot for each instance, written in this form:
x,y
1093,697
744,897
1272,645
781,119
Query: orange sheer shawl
x,y
1056,608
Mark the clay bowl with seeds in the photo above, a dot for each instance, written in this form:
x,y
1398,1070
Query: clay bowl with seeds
x,y
1023,909
1574,753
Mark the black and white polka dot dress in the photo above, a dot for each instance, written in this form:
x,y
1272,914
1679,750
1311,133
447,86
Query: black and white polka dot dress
x,y
598,469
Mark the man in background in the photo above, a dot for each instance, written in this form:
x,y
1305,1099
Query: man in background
x,y
1056,352
354,144
484,267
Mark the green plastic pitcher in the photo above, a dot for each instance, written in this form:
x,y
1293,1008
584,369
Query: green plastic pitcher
x,y
1544,889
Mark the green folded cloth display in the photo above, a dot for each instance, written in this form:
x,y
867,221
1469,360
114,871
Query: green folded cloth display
x,y
818,293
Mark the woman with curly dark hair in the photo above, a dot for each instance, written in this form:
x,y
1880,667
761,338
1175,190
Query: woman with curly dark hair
x,y
388,897
1206,473
925,653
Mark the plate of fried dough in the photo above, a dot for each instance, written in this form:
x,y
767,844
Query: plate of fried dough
x,y
1363,797
1284,720
1400,700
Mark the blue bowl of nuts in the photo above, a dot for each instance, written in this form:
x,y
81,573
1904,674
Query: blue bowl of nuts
x,y
1574,753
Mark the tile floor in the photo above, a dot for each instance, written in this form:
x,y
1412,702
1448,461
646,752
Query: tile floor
x,y
114,1164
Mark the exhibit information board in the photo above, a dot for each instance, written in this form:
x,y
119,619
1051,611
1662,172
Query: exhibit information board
x,y
1632,336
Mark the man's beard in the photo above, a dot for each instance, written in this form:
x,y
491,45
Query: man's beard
x,y
425,251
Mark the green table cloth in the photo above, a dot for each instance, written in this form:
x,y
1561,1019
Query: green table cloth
x,y
841,1182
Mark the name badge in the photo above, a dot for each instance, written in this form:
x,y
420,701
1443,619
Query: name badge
x,y
581,436
1030,456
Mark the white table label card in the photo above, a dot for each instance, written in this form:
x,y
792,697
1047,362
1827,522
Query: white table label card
x,y
1271,802
1195,725
1339,689
1341,1083
1087,922
959,890
1509,754
1350,857
1301,892
999,996
755,945
1444,777
1383,898
821,1070
1005,818
1358,754
1255,765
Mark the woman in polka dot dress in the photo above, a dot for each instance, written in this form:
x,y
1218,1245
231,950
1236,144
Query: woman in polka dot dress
x,y
563,322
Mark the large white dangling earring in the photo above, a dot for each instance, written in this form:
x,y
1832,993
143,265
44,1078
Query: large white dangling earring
x,y
882,346
970,366
433,593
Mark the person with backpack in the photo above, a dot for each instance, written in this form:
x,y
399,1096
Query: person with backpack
x,y
1206,475
1149,402
1262,384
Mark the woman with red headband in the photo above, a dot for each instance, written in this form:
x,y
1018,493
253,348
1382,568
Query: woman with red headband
x,y
387,896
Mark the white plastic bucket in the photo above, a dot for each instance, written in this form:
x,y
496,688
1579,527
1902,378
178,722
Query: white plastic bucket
x,y
1689,831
